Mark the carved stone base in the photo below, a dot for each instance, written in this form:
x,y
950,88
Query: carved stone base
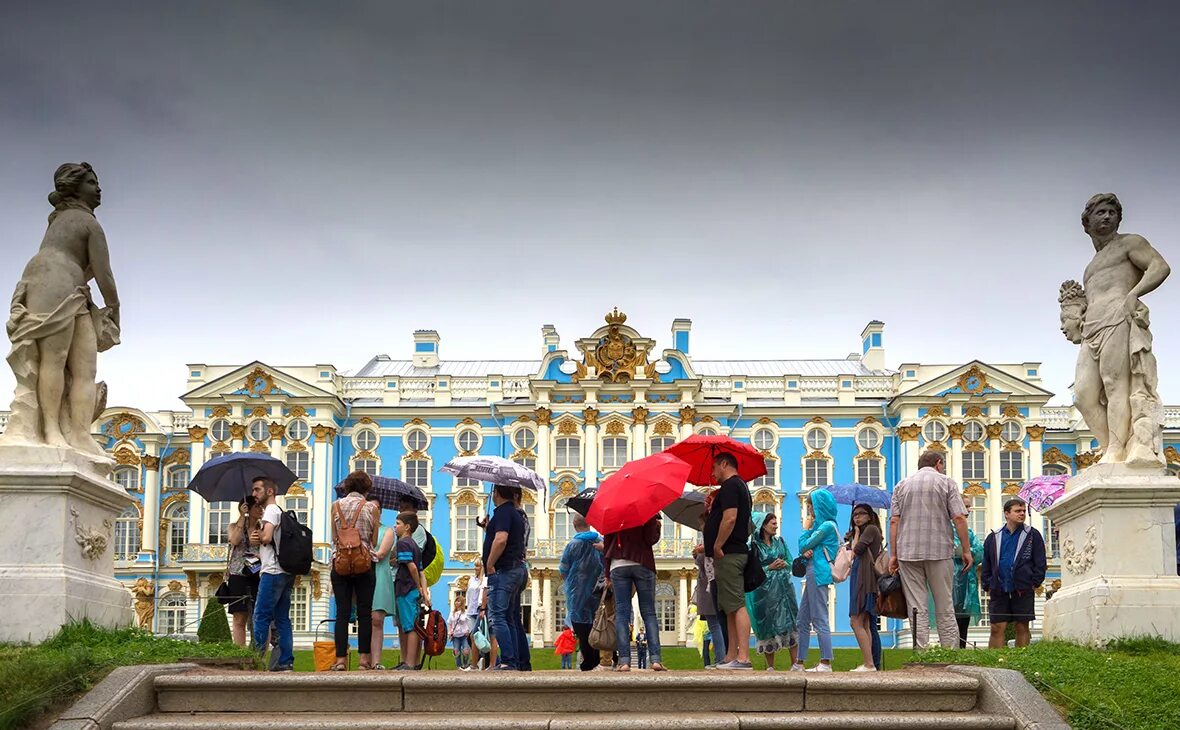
x,y
56,551
1117,542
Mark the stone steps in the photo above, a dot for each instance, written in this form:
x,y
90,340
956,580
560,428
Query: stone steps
x,y
570,721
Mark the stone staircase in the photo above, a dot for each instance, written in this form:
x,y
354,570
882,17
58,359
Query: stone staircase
x,y
897,700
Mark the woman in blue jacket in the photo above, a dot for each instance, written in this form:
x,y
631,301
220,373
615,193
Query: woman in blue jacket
x,y
818,543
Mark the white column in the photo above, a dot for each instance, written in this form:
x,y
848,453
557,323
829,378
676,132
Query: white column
x,y
149,540
957,460
686,415
1035,454
547,591
996,485
544,450
639,433
196,505
682,597
910,453
591,463
321,483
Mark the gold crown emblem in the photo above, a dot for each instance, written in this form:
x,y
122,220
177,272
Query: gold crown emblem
x,y
615,317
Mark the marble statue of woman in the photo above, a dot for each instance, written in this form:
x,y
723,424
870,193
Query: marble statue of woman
x,y
55,328
1115,386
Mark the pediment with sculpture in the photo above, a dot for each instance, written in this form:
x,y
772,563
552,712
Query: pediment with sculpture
x,y
615,353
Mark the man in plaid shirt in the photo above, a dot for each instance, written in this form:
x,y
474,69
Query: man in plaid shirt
x,y
923,507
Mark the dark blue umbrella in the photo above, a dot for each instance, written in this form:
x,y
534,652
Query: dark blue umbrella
x,y
391,492
229,478
860,494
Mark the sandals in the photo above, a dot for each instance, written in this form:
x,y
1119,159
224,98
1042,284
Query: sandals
x,y
657,667
338,668
623,668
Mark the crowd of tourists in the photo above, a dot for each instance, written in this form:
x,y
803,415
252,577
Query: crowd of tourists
x,y
377,573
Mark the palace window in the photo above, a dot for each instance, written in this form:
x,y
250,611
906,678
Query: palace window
x,y
667,530
368,466
468,440
127,534
563,521
771,477
173,613
985,613
466,482
1051,539
300,463
177,530
868,439
418,473
973,466
1054,469
569,453
467,532
817,439
179,477
614,452
978,520
760,507
1011,465
706,431
301,506
763,439
416,439
935,431
220,430
973,431
524,438
259,431
1010,431
300,608
659,443
528,462
560,612
365,439
530,510
127,477
868,472
815,473
219,519
297,430
666,606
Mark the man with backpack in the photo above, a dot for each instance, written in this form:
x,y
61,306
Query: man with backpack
x,y
272,606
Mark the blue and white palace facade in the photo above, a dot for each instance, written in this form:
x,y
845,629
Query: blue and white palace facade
x,y
575,415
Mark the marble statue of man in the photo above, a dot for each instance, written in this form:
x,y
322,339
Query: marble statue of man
x,y
55,328
1115,383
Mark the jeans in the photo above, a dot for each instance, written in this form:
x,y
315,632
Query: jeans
x,y
343,588
273,606
524,650
641,655
591,657
813,613
875,630
718,636
644,583
504,613
460,646
567,661
720,641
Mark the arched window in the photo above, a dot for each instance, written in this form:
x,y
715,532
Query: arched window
x,y
815,472
365,439
1010,431
760,507
868,439
666,606
300,504
418,473
127,477
127,534
568,453
817,439
1054,469
416,439
525,459
468,536
667,530
468,440
771,477
173,613
259,431
368,466
978,521
297,430
219,519
973,431
300,608
177,530
659,443
563,521
868,472
763,439
179,477
935,431
707,431
614,452
524,438
220,430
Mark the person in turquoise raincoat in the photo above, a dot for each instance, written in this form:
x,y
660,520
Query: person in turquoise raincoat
x,y
965,593
772,606
818,543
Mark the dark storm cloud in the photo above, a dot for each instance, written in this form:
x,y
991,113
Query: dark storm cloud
x,y
282,178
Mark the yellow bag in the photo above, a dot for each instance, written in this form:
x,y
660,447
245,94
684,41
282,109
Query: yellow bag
x,y
323,653
434,571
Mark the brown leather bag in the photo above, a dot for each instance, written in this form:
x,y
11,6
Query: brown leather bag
x,y
352,558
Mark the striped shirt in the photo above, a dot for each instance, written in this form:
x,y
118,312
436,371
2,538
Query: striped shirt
x,y
925,504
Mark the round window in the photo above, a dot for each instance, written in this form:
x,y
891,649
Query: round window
x,y
524,438
365,439
297,430
868,439
259,431
973,431
817,439
1010,431
764,439
220,430
416,439
468,440
935,431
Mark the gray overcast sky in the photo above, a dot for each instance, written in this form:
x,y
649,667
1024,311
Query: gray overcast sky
x,y
303,182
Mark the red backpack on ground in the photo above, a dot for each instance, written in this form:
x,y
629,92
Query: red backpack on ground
x,y
433,630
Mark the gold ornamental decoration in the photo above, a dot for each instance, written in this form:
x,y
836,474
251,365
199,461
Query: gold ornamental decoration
x,y
237,431
1171,455
615,427
220,447
221,412
543,415
974,381
974,412
1035,433
276,430
1011,412
297,412
126,457
259,412
175,585
317,590
974,489
935,412
591,416
179,456
1087,459
1054,455
259,447
567,427
615,357
151,463
639,413
909,433
688,416
663,427
994,430
956,430
197,433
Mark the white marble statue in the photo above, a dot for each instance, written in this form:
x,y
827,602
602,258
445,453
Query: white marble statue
x,y
1115,383
55,328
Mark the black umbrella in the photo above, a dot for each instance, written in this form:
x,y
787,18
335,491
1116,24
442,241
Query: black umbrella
x,y
687,510
580,502
390,492
229,478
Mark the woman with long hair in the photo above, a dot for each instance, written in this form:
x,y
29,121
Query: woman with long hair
x,y
772,606
383,601
864,535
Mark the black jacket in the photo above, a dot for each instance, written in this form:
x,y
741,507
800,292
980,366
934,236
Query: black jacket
x,y
1028,570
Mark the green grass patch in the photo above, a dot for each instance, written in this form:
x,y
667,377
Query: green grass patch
x,y
675,658
1132,684
35,678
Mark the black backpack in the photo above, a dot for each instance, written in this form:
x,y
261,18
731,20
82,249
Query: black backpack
x,y
294,545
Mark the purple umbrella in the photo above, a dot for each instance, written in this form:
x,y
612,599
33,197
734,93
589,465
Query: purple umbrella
x,y
860,494
1042,492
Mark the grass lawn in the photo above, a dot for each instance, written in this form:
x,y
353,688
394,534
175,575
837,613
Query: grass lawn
x,y
34,679
674,658
1133,684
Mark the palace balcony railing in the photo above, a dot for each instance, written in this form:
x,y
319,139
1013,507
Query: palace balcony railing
x,y
552,548
205,553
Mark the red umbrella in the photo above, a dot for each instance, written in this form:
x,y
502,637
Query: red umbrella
x,y
699,451
637,492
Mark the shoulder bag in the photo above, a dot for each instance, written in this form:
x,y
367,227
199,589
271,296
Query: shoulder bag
x,y
602,631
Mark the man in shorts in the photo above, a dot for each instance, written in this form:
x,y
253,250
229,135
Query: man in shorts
x,y
1013,568
727,531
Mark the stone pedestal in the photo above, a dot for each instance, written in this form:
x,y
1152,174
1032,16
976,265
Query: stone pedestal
x,y
56,544
1118,557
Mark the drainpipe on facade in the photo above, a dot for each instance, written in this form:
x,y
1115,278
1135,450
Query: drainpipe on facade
x,y
896,452
156,562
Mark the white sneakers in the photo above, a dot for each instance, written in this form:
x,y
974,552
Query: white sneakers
x,y
796,667
821,667
864,668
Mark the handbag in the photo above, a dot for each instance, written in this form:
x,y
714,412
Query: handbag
x,y
892,604
881,564
799,567
480,637
842,565
888,585
753,574
602,631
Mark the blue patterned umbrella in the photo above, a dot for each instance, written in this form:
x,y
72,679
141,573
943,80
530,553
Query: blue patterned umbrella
x,y
390,492
860,494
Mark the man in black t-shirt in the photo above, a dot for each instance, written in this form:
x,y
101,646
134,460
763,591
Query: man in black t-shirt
x,y
503,558
727,530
